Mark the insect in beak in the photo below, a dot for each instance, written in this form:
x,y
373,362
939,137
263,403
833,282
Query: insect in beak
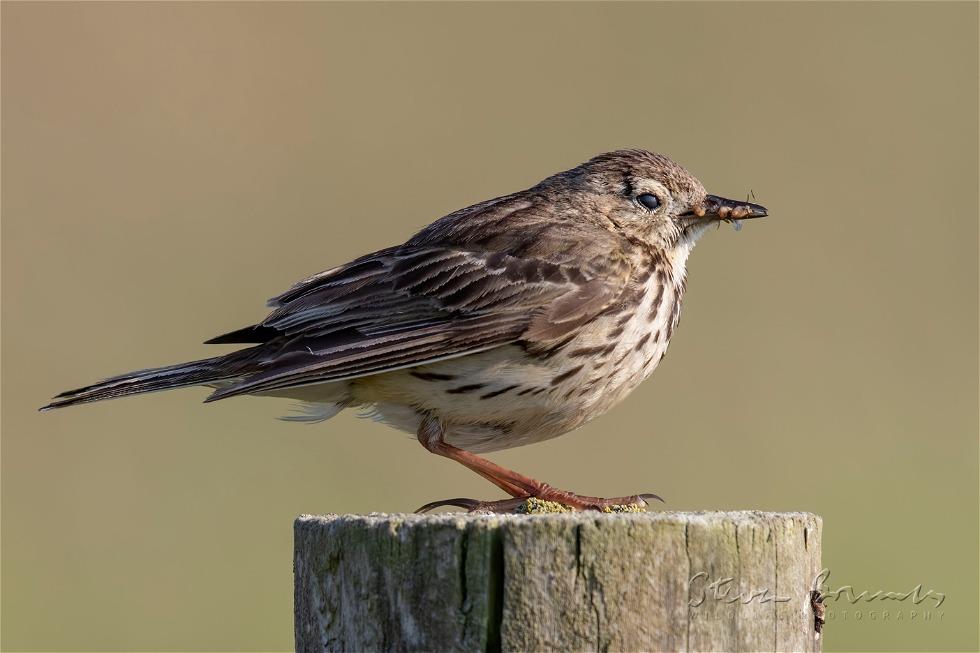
x,y
725,210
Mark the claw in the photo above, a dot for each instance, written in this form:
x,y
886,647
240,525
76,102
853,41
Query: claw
x,y
650,495
469,504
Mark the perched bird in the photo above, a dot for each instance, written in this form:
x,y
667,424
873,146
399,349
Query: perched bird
x,y
511,321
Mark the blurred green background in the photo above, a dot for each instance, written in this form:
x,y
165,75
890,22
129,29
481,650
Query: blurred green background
x,y
167,167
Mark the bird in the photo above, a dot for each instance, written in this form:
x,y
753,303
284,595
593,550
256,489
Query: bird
x,y
505,323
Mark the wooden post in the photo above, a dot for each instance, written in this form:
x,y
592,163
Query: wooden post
x,y
659,581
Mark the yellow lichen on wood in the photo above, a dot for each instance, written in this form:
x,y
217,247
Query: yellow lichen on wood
x,y
534,506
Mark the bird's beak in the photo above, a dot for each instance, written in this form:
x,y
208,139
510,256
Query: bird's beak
x,y
725,209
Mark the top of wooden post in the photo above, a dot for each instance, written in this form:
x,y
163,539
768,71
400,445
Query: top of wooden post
x,y
665,516
571,581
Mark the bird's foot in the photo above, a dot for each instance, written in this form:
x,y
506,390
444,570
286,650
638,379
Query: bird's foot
x,y
549,500
527,494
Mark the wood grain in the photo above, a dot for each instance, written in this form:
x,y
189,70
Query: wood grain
x,y
580,581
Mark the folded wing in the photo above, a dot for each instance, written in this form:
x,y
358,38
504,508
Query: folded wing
x,y
412,305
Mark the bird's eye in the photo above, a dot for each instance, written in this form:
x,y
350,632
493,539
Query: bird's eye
x,y
648,200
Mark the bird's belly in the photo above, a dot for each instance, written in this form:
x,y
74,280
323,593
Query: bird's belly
x,y
515,395
488,401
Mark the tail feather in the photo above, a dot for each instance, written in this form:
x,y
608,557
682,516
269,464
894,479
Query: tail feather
x,y
208,370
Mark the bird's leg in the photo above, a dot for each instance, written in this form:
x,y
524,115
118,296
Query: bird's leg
x,y
518,486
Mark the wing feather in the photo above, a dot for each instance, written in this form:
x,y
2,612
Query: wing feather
x,y
422,302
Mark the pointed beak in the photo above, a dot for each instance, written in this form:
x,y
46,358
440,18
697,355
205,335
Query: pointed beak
x,y
726,209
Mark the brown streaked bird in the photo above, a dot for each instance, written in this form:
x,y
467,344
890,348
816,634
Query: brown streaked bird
x,y
511,321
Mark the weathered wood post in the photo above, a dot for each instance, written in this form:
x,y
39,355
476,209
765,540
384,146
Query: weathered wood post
x,y
659,581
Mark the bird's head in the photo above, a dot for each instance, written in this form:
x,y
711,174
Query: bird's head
x,y
650,196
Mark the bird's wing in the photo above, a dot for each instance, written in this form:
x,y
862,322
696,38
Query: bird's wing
x,y
416,304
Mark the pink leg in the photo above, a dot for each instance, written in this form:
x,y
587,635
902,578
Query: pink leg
x,y
517,485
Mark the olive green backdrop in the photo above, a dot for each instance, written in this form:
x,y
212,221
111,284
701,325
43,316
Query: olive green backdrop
x,y
167,167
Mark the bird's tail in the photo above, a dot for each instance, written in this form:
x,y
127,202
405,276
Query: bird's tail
x,y
208,370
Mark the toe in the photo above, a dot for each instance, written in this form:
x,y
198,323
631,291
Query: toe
x,y
473,505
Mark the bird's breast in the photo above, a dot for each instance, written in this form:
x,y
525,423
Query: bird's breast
x,y
622,348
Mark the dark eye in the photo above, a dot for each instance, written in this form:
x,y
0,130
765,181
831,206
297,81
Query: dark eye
x,y
648,200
